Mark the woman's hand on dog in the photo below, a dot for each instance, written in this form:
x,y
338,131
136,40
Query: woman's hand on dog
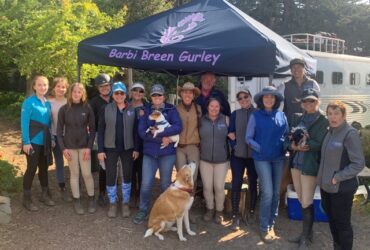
x,y
166,141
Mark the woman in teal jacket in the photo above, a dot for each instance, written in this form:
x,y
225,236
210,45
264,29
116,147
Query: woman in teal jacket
x,y
305,158
36,140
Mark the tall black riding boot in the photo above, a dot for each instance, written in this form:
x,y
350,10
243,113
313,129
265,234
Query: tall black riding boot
x,y
307,234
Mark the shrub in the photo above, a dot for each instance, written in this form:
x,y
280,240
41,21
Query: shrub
x,y
10,105
9,181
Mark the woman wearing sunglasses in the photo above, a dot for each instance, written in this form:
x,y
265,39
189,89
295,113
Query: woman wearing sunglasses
x,y
117,139
241,156
156,156
138,102
306,158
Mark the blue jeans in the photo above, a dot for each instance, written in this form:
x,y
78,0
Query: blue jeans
x,y
59,162
269,174
150,166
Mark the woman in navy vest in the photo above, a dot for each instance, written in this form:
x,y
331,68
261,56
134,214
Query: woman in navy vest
x,y
266,131
241,156
117,140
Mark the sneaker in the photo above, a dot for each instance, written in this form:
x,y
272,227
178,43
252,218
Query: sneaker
x,y
140,217
235,223
208,216
266,237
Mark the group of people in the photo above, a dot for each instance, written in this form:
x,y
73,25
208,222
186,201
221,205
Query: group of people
x,y
251,139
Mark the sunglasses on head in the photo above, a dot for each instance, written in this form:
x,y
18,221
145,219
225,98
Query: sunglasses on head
x,y
244,97
156,95
308,100
138,90
119,93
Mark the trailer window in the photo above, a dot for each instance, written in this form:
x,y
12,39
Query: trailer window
x,y
368,79
337,78
319,76
354,78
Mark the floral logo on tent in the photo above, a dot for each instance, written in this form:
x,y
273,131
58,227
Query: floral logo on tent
x,y
176,34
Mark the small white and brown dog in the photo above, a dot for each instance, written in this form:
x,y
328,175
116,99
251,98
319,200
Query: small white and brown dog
x,y
160,124
173,206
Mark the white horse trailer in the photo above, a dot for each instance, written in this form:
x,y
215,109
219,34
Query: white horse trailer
x,y
340,76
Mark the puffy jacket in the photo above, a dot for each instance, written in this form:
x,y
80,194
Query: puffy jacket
x,y
152,145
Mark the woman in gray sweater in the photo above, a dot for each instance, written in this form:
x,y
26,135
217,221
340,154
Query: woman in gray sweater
x,y
214,159
342,159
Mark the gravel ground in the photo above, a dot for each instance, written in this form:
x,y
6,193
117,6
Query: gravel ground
x,y
60,228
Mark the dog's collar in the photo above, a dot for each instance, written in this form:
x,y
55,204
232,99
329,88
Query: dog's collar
x,y
188,190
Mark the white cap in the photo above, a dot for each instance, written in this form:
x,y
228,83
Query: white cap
x,y
137,85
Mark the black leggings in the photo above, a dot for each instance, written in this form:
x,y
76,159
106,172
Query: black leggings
x,y
36,159
238,166
338,207
111,166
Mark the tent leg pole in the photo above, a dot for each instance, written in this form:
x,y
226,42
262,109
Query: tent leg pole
x,y
270,80
177,87
78,72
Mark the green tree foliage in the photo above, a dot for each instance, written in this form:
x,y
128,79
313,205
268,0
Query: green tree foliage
x,y
349,19
43,35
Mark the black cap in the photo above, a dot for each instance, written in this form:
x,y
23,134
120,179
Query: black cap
x,y
102,79
297,61
310,93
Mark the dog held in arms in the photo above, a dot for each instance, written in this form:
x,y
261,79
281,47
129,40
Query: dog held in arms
x,y
299,136
173,206
160,124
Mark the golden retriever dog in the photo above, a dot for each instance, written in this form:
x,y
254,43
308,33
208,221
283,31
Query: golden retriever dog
x,y
160,124
173,206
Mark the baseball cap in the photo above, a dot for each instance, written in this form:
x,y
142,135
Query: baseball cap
x,y
310,93
297,61
243,90
138,85
119,86
157,89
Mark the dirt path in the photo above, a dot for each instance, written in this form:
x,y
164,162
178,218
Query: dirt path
x,y
60,228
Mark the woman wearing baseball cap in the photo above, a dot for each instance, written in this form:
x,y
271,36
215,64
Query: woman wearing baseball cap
x,y
117,140
155,156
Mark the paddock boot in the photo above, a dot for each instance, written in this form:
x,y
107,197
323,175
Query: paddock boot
x,y
78,206
91,206
27,201
126,193
46,197
112,211
307,234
